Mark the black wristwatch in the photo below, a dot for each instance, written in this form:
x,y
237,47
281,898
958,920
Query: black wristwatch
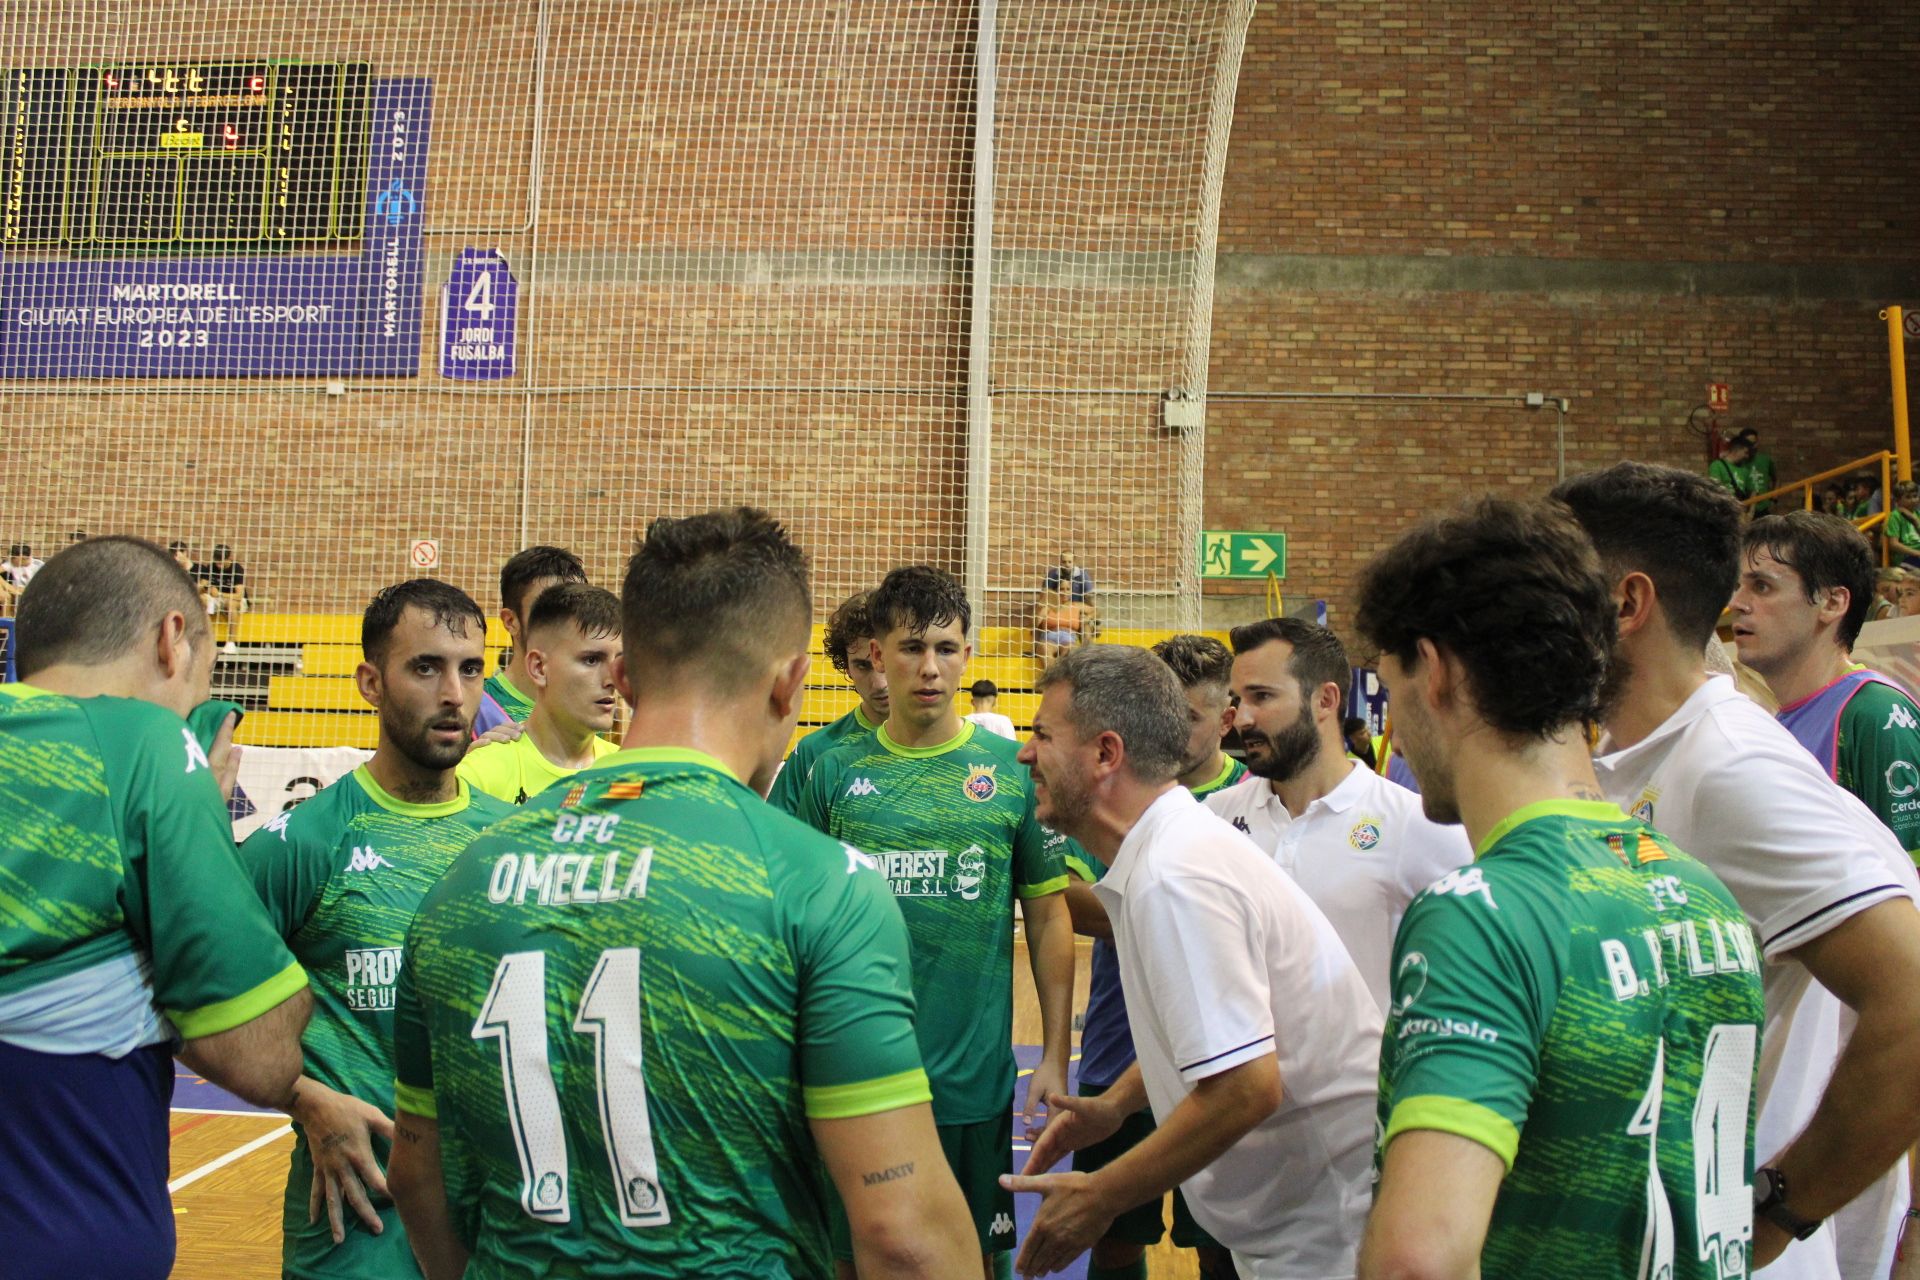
x,y
1770,1202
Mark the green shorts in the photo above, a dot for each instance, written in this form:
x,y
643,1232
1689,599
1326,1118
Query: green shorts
x,y
1143,1224
978,1154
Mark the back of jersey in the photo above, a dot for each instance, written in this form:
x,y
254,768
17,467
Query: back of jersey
x,y
622,1005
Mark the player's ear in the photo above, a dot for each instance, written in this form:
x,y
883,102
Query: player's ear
x,y
173,652
789,686
537,667
366,678
623,681
1636,598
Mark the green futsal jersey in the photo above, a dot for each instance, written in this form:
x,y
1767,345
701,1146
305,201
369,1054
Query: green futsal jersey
x,y
1585,1002
952,828
624,1004
515,704
792,782
341,875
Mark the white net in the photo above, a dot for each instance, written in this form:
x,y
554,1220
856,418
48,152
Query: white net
x,y
322,282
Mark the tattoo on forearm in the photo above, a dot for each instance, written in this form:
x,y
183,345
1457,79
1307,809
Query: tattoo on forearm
x,y
887,1175
406,1135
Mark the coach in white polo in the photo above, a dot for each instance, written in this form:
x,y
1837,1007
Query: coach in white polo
x,y
1258,1040
1828,889
1358,844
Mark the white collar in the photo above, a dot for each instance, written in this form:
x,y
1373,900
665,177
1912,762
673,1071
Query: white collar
x,y
1716,690
1169,808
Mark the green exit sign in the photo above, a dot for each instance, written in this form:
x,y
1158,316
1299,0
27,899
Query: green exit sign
x,y
1238,553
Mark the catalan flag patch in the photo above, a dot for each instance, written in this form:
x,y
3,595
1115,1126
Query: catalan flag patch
x,y
1649,850
625,790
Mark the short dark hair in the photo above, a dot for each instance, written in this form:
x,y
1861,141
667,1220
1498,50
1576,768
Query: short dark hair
x,y
20,549
451,608
221,551
917,597
595,610
1827,552
719,592
176,545
1318,656
1351,723
847,624
1515,593
1906,489
1679,528
536,564
96,599
984,689
1131,692
1196,660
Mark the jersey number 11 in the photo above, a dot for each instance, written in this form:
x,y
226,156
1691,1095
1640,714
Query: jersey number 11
x,y
515,1013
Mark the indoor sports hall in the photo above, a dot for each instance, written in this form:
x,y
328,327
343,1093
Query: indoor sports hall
x,y
1138,317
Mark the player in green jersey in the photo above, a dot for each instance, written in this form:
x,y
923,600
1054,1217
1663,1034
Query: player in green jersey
x,y
341,876
573,647
849,650
127,929
948,812
1567,1074
637,1015
508,693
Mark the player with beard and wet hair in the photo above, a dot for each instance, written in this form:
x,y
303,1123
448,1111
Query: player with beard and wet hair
x,y
341,876
1357,843
1566,1078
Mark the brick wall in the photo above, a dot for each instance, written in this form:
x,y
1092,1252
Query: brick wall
x,y
751,276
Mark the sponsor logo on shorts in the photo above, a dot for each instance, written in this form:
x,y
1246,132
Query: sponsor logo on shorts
x,y
1002,1225
980,786
1364,836
1900,718
862,787
1902,779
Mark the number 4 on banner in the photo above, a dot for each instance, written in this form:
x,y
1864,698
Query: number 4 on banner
x,y
480,296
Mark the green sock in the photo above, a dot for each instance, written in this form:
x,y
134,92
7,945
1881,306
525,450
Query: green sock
x,y
1003,1265
1135,1270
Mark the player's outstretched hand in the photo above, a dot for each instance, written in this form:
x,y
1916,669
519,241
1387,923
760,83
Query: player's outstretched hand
x,y
1073,1216
1048,1080
339,1138
506,731
225,757
1073,1123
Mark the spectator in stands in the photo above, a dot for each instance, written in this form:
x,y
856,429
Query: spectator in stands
x,y
1863,497
1060,623
1907,596
16,573
183,557
1733,469
1902,529
1359,736
226,580
1760,472
1830,500
986,695
1080,586
1888,591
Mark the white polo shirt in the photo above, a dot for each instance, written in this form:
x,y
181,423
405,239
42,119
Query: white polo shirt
x,y
994,722
1734,789
1223,959
1362,852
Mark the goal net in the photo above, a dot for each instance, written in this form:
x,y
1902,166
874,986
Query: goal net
x,y
366,289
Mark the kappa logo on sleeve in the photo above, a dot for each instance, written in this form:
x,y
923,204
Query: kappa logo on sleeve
x,y
1898,717
1465,883
196,757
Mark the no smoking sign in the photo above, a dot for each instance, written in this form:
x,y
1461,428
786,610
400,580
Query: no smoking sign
x,y
1911,323
424,553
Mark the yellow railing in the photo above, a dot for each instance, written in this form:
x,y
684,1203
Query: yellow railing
x,y
1884,459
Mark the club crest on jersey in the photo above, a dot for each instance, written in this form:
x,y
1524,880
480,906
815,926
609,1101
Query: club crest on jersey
x,y
1364,836
573,795
1643,812
980,786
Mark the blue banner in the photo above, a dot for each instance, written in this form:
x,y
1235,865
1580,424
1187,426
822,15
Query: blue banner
x,y
302,315
478,310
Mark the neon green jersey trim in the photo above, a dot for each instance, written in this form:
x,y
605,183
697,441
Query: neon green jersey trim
x,y
867,1097
1459,1117
1588,810
860,718
227,1014
440,809
663,755
25,691
1080,867
1056,885
415,1100
1219,779
954,743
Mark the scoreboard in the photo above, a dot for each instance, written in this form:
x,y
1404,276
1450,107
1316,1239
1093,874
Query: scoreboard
x,y
184,156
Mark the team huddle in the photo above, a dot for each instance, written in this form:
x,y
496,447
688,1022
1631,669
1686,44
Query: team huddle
x,y
1642,1005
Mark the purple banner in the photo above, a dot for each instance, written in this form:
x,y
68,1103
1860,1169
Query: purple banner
x,y
478,308
310,315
